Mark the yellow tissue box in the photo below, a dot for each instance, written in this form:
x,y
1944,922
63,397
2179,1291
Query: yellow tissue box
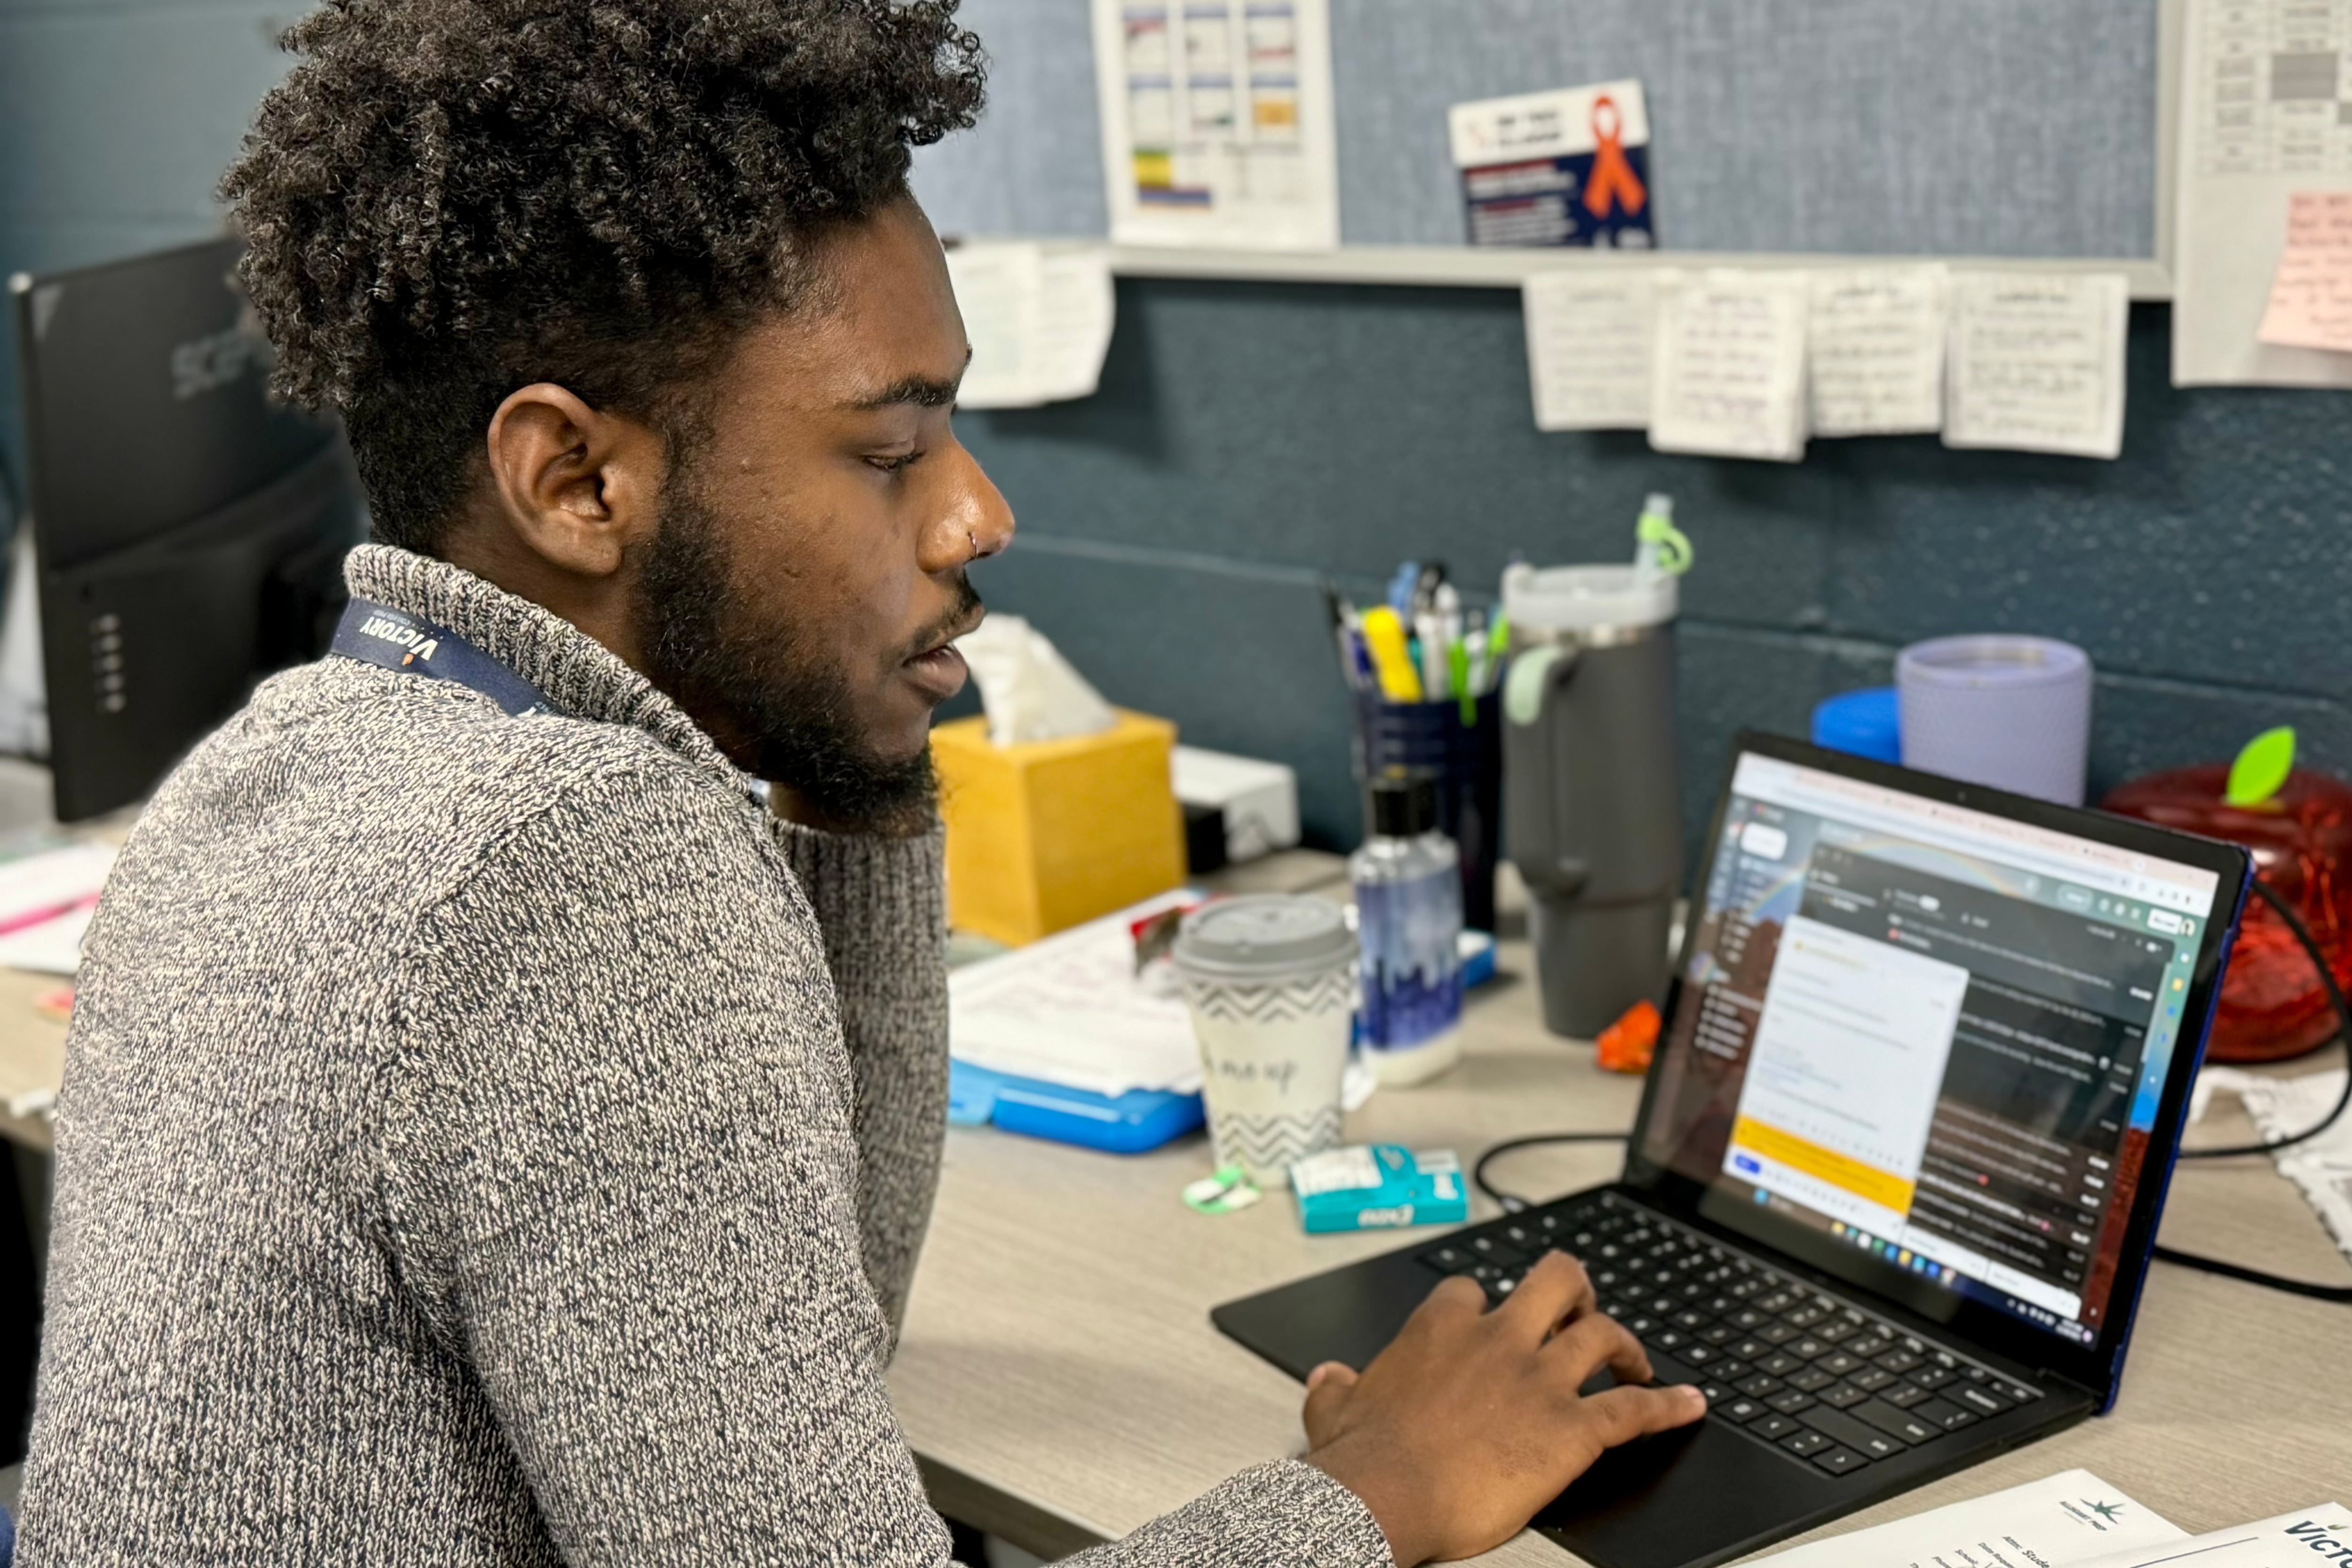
x,y
1050,834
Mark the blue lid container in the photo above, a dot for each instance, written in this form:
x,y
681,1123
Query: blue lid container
x,y
1861,722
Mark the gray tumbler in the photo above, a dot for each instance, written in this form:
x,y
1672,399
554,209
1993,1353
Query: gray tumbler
x,y
1591,799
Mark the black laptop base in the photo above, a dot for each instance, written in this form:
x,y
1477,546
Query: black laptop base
x,y
1821,1400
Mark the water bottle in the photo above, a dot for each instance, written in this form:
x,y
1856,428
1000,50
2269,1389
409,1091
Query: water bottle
x,y
1408,884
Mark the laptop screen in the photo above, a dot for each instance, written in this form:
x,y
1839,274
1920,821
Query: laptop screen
x,y
1933,1034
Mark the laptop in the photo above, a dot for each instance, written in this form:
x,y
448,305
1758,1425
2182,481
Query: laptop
x,y
1892,1190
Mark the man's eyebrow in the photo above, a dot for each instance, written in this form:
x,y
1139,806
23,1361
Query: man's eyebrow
x,y
921,391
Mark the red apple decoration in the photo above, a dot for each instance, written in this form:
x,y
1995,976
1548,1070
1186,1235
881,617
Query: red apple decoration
x,y
2272,1005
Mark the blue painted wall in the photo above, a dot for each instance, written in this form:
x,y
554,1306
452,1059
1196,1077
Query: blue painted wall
x,y
1250,436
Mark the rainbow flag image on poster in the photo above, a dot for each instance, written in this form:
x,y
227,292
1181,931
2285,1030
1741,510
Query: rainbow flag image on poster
x,y
1567,167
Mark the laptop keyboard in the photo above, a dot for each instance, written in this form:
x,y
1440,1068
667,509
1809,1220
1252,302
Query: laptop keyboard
x,y
1818,1378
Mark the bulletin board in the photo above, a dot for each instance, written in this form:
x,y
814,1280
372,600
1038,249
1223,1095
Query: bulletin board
x,y
2011,127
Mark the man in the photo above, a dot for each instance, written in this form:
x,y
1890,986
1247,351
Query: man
x,y
489,1136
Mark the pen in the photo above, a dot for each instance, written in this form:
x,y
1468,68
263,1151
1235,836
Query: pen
x,y
1457,656
1432,652
1346,643
1401,589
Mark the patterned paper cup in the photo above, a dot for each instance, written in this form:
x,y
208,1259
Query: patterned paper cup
x,y
1272,983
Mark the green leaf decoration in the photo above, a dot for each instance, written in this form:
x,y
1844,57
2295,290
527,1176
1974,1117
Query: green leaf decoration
x,y
2262,768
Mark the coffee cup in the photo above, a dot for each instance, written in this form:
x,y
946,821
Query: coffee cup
x,y
1271,982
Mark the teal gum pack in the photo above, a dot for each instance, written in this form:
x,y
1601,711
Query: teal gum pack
x,y
1379,1187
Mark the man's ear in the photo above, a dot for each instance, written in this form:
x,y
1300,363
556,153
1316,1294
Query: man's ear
x,y
578,486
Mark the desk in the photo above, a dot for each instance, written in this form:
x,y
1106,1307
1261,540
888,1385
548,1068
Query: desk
x,y
1061,1384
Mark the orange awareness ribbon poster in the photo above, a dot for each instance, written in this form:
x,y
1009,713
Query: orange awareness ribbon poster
x,y
1613,183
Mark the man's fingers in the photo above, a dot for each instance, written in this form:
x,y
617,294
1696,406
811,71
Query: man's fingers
x,y
1328,1388
1456,1296
1620,1414
1554,1290
1592,1343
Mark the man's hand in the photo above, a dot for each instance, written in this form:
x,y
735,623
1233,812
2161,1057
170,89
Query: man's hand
x,y
1470,1420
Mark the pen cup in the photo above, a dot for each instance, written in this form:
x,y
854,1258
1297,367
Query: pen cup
x,y
1429,739
1271,982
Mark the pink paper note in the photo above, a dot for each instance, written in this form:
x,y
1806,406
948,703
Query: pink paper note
x,y
2311,301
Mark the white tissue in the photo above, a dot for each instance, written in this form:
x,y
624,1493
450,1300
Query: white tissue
x,y
1030,691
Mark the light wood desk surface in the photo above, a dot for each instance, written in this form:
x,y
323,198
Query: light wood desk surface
x,y
1061,1382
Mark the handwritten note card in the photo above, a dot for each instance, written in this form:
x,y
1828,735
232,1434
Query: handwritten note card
x,y
2035,362
1876,348
1729,379
1039,321
1590,336
2311,299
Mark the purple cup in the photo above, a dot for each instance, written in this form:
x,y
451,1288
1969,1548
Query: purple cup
x,y
2010,711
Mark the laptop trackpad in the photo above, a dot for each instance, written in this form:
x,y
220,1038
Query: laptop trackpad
x,y
1699,1494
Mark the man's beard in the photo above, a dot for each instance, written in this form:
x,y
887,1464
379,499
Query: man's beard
x,y
779,707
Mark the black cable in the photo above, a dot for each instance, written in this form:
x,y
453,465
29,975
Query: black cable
x,y
2257,1277
2343,1293
2286,912
1510,1203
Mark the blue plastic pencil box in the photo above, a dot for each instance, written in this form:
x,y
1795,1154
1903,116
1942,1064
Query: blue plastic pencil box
x,y
1117,1123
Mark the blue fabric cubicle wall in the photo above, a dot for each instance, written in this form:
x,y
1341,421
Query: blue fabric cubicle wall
x,y
1248,435
1965,127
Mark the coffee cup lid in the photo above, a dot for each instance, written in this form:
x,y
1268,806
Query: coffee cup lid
x,y
1265,936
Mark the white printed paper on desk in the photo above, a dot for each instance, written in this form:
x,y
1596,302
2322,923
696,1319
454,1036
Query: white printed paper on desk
x,y
49,882
2285,1107
1591,338
2035,362
1070,1009
2319,1536
51,947
1039,321
1728,377
1875,348
2064,1521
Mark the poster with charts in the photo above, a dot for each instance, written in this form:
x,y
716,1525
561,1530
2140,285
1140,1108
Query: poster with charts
x,y
2265,114
1216,122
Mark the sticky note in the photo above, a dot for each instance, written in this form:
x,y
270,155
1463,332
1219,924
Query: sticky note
x,y
2311,297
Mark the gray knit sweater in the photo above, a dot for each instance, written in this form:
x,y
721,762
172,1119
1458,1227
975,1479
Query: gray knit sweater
x,y
494,1141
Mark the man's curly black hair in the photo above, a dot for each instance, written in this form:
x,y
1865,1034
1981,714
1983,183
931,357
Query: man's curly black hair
x,y
449,199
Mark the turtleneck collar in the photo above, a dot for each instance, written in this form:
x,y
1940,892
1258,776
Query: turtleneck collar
x,y
577,675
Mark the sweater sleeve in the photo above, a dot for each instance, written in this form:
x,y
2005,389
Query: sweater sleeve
x,y
621,1187
881,905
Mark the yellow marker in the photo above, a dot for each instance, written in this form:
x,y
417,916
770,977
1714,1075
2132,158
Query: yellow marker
x,y
1384,640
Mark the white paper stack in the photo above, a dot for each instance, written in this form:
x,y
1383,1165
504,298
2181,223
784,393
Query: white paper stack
x,y
2320,1535
2283,1107
46,900
1072,1010
2068,1519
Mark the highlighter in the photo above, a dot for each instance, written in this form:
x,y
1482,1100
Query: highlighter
x,y
1384,636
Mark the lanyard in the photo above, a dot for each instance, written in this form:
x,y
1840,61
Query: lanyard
x,y
395,640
